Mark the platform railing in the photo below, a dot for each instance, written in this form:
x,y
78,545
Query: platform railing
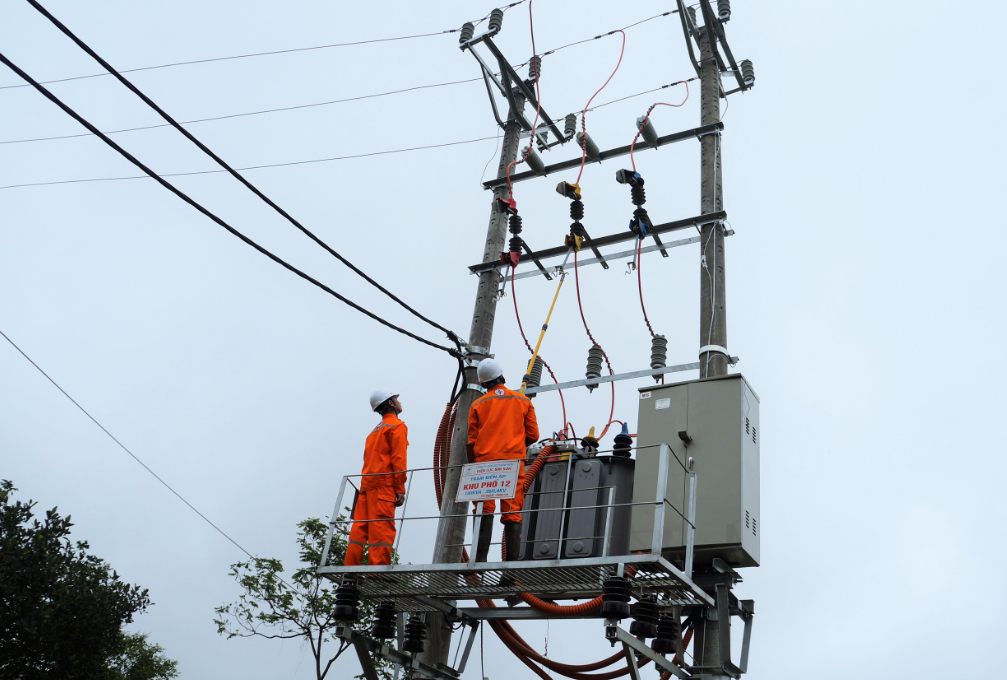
x,y
660,504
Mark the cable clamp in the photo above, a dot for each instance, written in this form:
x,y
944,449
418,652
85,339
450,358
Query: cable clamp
x,y
718,349
700,135
477,388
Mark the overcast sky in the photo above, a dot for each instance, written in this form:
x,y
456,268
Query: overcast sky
x,y
863,178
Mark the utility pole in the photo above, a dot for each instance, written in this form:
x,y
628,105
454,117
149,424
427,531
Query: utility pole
x,y
713,302
712,317
451,527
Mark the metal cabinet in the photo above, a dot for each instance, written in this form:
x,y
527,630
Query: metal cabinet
x,y
715,423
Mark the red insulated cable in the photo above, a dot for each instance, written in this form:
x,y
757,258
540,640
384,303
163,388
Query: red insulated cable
x,y
583,114
580,305
647,117
538,105
517,315
639,284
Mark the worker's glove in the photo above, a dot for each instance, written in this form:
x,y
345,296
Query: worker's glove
x,y
400,498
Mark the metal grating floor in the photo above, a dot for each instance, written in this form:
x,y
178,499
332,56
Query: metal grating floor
x,y
412,587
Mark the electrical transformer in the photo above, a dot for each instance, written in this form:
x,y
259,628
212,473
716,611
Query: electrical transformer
x,y
712,424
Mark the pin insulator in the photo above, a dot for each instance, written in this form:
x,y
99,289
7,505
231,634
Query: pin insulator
x,y
347,601
515,244
466,33
623,443
594,359
724,10
416,633
570,125
669,631
496,20
615,596
535,68
534,160
384,621
514,223
692,15
747,72
658,354
645,614
577,210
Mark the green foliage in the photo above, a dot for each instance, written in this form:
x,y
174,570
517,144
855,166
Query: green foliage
x,y
271,608
138,659
62,609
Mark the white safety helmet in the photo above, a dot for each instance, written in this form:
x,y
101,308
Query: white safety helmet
x,y
489,369
378,397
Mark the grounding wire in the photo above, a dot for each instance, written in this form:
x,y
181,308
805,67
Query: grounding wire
x,y
178,192
234,173
265,54
124,448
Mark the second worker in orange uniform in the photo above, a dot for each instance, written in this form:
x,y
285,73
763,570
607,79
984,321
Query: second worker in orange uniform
x,y
382,487
501,427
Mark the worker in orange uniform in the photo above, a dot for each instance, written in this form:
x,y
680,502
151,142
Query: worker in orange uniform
x,y
381,492
501,427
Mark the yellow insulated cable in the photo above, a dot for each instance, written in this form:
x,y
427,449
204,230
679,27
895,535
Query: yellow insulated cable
x,y
541,335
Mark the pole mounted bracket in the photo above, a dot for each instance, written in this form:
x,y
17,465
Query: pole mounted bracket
x,y
717,349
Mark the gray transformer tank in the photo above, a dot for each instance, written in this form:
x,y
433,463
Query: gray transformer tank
x,y
589,484
719,418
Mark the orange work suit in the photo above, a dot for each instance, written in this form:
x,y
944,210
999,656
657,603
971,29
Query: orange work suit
x,y
384,452
500,422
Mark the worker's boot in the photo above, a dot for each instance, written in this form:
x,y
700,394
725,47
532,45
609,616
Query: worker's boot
x,y
485,538
512,542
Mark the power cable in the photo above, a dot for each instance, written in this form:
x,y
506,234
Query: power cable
x,y
250,167
124,448
170,187
234,173
303,162
264,54
583,116
344,100
250,113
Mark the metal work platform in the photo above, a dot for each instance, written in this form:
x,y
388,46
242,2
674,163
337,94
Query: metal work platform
x,y
427,587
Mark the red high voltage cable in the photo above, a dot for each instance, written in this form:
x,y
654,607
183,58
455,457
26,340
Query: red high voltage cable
x,y
538,104
647,117
576,279
583,114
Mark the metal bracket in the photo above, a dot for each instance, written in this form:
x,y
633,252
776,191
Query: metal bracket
x,y
621,376
367,647
615,633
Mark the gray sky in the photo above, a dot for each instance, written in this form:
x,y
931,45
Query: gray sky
x,y
861,178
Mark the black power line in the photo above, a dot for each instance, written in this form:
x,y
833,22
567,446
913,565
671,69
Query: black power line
x,y
234,173
123,447
173,189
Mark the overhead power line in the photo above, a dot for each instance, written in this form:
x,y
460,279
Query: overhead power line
x,y
312,160
124,448
330,102
234,173
264,54
172,188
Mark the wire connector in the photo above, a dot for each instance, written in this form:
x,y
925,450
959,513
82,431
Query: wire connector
x,y
567,190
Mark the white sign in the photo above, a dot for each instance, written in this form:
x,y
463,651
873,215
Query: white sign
x,y
488,481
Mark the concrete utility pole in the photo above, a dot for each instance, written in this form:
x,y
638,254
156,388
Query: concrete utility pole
x,y
706,644
451,529
713,301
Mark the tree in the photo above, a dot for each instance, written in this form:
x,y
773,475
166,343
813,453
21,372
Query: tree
x,y
138,659
61,608
270,608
